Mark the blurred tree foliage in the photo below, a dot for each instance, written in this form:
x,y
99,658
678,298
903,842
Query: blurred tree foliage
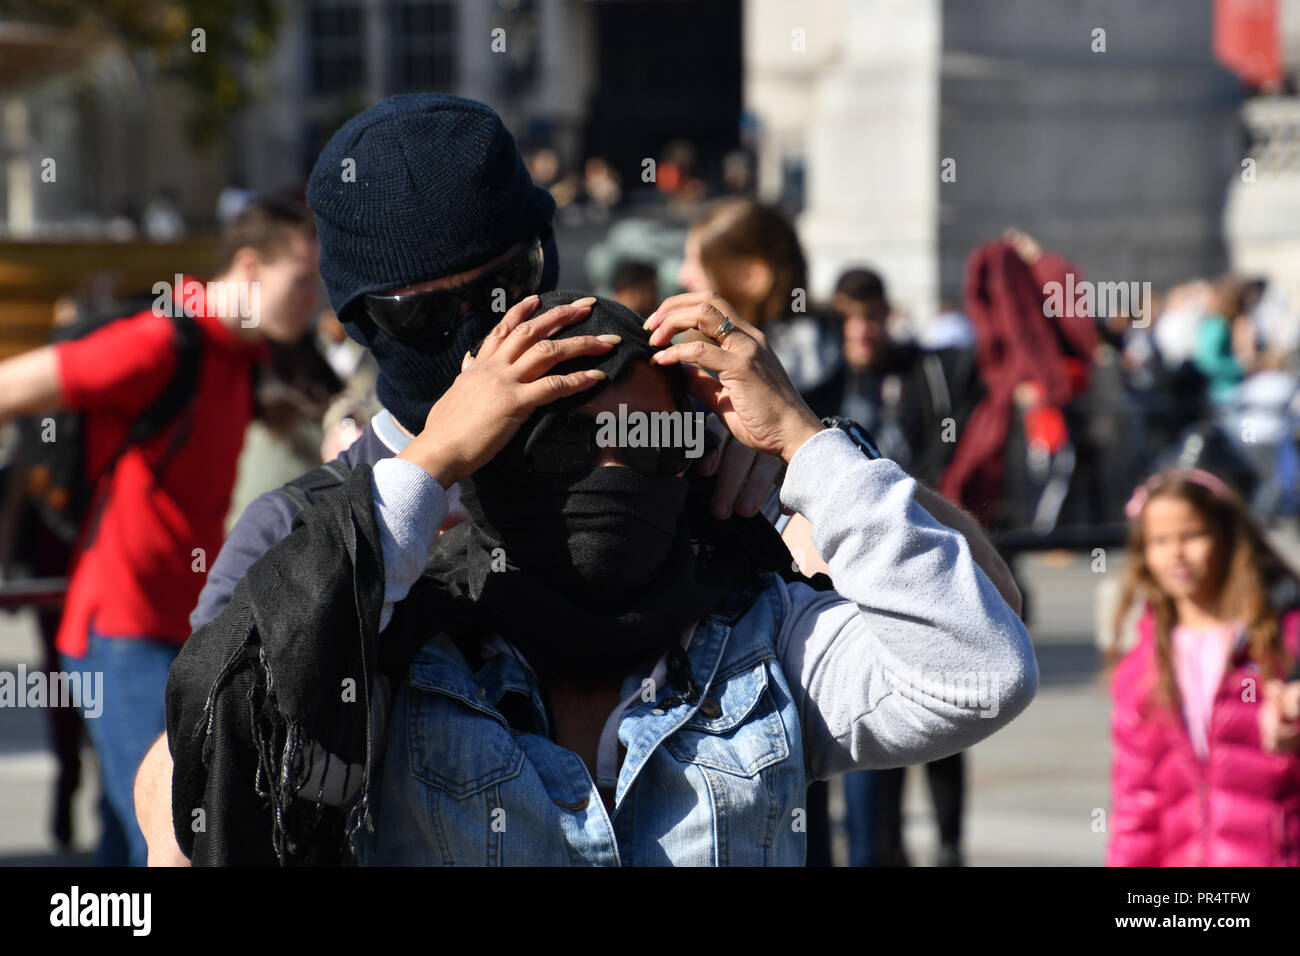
x,y
235,33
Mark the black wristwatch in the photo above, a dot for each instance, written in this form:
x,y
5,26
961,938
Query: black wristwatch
x,y
860,436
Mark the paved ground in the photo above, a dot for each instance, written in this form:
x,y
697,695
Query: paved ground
x,y
1033,792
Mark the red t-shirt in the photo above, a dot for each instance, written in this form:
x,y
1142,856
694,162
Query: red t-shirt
x,y
142,573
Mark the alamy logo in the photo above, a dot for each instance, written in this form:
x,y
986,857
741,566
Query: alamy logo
x,y
83,690
975,690
75,908
1085,299
226,299
651,430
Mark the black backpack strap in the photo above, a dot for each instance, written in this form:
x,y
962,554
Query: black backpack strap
x,y
303,490
188,340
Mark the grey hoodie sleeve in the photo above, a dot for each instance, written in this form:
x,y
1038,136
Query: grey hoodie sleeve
x,y
410,507
915,655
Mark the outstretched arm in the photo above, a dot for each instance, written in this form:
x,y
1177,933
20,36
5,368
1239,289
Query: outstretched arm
x,y
29,383
915,655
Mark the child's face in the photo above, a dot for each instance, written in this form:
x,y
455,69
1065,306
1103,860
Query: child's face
x,y
1179,548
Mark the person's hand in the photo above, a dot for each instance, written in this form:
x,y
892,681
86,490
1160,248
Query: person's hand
x,y
745,477
498,389
1026,246
752,393
1279,717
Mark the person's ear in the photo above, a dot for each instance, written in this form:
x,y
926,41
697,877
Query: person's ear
x,y
246,264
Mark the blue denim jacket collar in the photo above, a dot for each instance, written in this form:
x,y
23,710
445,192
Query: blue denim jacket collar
x,y
441,667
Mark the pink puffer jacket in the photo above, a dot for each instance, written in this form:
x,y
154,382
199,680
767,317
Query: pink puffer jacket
x,y
1240,807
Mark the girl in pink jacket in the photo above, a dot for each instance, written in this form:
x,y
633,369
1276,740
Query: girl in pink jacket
x,y
1192,782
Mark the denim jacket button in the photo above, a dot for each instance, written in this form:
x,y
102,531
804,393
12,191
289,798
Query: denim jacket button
x,y
710,708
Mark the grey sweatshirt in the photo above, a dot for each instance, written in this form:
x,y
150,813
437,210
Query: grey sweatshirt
x,y
913,657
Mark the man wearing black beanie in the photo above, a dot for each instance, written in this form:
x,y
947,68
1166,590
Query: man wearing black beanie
x,y
430,228
417,195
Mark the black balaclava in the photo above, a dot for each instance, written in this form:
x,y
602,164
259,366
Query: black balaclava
x,y
600,567
418,187
598,537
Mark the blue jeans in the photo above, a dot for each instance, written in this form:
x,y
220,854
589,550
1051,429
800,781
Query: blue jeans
x,y
860,810
135,678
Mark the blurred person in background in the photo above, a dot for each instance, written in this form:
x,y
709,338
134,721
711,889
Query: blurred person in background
x,y
1224,345
915,402
141,558
291,395
1014,460
1261,412
748,253
1205,770
675,175
738,177
636,285
543,166
601,185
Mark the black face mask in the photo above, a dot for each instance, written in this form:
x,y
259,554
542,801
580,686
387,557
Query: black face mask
x,y
597,538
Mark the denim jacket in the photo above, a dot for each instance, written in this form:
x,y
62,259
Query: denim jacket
x,y
462,787
913,657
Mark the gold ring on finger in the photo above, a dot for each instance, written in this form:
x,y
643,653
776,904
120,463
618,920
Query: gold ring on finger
x,y
725,328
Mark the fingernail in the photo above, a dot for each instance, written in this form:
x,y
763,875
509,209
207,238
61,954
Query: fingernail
x,y
588,300
595,373
609,339
464,361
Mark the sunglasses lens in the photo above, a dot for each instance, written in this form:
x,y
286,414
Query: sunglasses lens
x,y
422,318
657,461
432,318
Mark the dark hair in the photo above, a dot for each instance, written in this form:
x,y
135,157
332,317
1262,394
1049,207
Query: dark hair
x,y
266,225
1246,568
861,285
737,228
630,272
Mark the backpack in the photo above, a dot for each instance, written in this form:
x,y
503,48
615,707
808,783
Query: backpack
x,y
53,472
304,489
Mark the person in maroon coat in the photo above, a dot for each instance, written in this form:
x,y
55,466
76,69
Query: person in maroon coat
x,y
1025,357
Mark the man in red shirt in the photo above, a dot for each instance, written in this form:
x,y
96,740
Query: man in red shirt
x,y
138,569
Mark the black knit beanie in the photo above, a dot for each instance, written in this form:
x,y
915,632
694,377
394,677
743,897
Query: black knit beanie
x,y
414,188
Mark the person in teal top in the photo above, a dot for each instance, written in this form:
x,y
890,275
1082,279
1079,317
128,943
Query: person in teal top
x,y
1215,359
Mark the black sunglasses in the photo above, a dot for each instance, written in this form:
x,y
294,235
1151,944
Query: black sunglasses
x,y
565,445
430,319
